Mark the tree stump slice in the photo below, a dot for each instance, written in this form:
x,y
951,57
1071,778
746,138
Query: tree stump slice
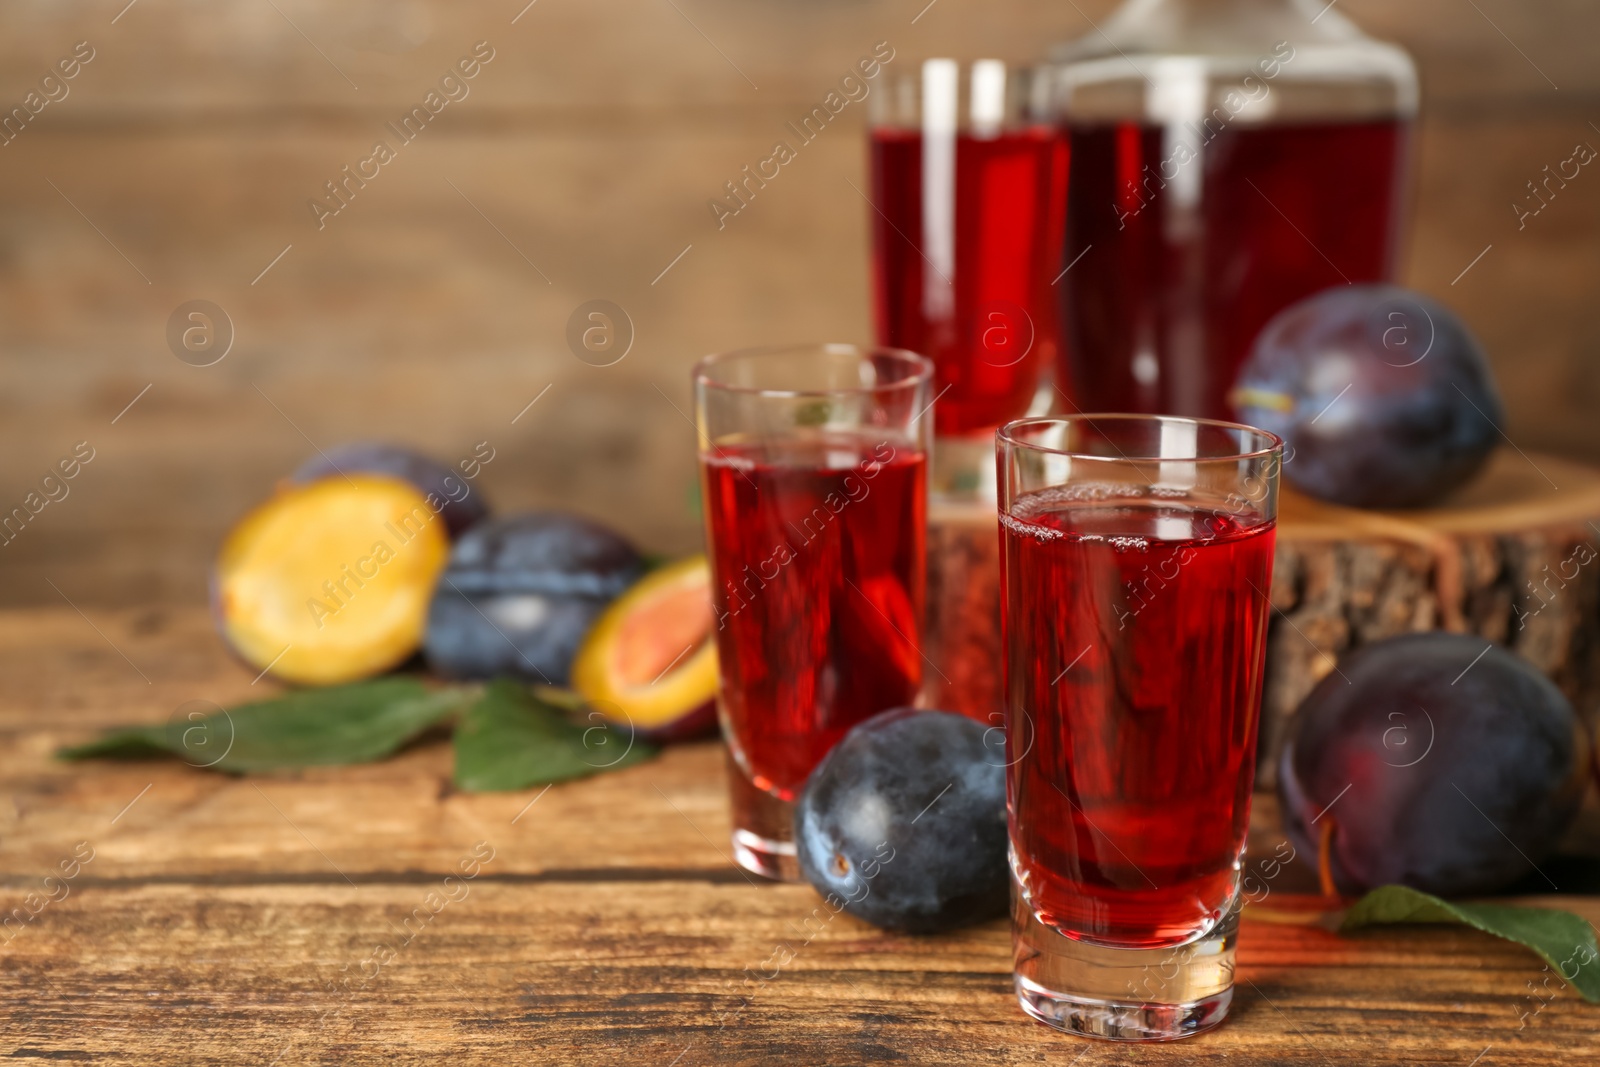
x,y
1513,557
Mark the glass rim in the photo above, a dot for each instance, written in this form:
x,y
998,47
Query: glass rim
x,y
1022,123
912,71
1020,110
1007,435
922,369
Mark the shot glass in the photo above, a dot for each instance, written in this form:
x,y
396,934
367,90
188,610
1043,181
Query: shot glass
x,y
968,200
1136,559
813,463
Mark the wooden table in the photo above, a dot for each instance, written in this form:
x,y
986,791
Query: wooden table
x,y
308,918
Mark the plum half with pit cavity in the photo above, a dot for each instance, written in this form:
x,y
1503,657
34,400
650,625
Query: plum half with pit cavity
x,y
460,501
649,662
329,582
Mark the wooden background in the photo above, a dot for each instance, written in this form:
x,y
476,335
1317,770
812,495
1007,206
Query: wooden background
x,y
181,164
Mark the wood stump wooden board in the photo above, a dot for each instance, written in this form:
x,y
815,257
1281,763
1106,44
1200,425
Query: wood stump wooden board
x,y
1511,557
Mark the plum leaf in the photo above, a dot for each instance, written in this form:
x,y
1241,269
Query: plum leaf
x,y
511,739
344,724
1563,940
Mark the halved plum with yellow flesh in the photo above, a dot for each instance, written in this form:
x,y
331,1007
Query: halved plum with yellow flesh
x,y
650,661
329,582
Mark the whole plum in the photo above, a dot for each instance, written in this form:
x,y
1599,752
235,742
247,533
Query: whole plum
x,y
1435,760
462,504
903,823
1383,396
520,592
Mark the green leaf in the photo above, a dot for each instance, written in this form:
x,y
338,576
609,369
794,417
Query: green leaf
x,y
1565,941
511,739
314,727
813,413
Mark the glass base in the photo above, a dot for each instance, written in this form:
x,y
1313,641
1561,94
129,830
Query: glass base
x,y
766,857
763,829
1123,994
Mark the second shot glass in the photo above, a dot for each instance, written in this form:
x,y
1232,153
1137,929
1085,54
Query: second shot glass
x,y
814,474
1136,562
967,198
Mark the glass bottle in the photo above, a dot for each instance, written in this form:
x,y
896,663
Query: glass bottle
x,y
1226,158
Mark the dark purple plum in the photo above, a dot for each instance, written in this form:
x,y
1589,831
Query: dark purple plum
x,y
521,591
463,502
903,823
1383,396
1439,761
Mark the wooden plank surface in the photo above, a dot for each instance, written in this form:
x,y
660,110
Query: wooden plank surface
x,y
275,919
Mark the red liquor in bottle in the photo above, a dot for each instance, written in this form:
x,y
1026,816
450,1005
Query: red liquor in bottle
x,y
1180,271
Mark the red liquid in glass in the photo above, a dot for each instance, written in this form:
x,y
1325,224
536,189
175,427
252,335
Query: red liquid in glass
x,y
1133,684
818,575
987,319
1164,306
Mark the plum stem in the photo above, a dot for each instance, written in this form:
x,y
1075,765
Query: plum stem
x,y
1324,861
